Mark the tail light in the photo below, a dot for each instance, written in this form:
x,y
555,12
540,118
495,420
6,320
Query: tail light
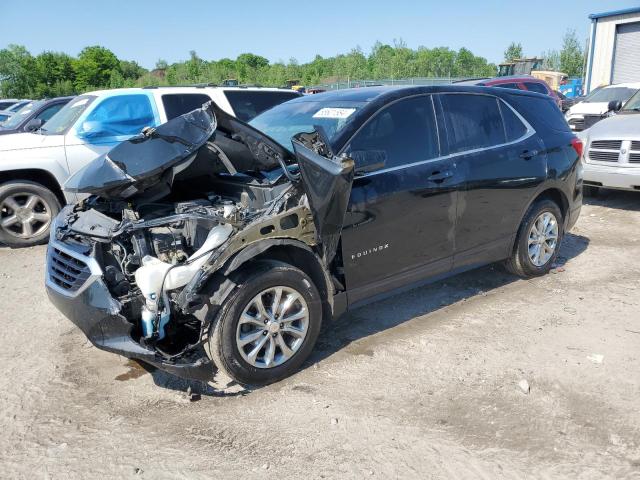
x,y
577,145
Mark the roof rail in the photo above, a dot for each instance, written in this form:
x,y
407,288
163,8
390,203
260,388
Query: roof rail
x,y
471,79
211,84
192,85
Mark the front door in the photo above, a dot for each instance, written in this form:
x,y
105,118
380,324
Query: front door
x,y
400,221
111,121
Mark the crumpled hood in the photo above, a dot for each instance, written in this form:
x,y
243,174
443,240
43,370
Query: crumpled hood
x,y
587,108
154,157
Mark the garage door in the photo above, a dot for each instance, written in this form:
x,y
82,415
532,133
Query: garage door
x,y
626,61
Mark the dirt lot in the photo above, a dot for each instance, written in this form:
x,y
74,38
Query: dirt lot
x,y
421,385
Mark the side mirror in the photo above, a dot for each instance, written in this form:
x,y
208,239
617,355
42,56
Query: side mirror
x,y
614,105
91,128
33,125
368,160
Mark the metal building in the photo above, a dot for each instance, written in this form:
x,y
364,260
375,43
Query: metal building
x,y
613,55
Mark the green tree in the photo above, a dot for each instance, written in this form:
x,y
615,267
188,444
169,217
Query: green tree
x,y
161,64
571,55
93,68
131,70
513,51
54,73
17,68
194,66
551,60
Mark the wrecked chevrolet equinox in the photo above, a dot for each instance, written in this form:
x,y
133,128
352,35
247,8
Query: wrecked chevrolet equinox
x,y
208,244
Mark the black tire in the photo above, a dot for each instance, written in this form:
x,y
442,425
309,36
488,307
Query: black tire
x,y
520,262
15,235
223,348
590,191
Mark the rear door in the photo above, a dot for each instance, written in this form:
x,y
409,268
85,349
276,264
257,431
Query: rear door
x,y
502,162
400,220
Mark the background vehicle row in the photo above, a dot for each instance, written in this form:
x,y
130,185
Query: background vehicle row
x,y
34,166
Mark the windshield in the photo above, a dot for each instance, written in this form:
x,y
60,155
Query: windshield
x,y
21,115
288,119
607,95
18,105
62,121
633,103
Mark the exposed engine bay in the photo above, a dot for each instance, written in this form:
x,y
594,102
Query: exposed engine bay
x,y
173,209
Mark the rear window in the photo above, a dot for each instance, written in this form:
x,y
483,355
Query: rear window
x,y
540,111
536,87
248,104
513,126
513,86
472,121
176,104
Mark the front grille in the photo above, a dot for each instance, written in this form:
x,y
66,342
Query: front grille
x,y
607,144
601,156
635,145
67,272
634,158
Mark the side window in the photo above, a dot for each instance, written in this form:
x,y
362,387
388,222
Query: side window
x,y
402,133
472,121
513,126
248,104
514,86
176,104
536,87
49,112
119,115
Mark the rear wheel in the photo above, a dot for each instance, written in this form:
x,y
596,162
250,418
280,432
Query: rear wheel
x,y
268,326
538,240
26,211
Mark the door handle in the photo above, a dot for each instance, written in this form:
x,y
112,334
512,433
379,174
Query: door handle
x,y
440,176
529,154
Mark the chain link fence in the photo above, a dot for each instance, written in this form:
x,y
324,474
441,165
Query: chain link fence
x,y
429,81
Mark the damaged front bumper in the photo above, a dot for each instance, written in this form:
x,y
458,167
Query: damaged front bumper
x,y
75,286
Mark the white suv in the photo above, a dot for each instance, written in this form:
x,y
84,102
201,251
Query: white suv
x,y
34,166
597,105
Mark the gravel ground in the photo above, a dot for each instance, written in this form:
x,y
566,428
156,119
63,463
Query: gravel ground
x,y
421,385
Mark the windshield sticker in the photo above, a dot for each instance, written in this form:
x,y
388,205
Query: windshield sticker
x,y
334,113
80,102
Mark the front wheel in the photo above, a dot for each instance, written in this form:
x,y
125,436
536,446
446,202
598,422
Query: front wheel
x,y
26,212
538,240
268,325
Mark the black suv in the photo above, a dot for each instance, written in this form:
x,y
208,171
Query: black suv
x,y
207,239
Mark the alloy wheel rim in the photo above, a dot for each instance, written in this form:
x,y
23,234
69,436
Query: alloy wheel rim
x,y
24,215
543,239
272,327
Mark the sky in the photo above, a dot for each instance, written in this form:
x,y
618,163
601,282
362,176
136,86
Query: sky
x,y
146,31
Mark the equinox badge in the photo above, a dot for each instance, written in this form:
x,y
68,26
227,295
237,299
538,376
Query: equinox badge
x,y
369,251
